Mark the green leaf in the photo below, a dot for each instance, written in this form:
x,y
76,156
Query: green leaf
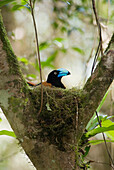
x,y
52,57
95,142
64,21
44,45
63,29
110,134
51,66
75,28
58,39
110,117
79,50
88,127
46,64
106,117
90,124
17,7
31,75
63,50
99,130
94,123
48,107
108,123
55,24
8,133
23,2
0,119
104,98
5,2
87,148
23,60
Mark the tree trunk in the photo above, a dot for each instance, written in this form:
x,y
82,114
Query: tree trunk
x,y
50,140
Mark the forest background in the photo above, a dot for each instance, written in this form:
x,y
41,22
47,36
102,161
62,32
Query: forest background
x,y
68,37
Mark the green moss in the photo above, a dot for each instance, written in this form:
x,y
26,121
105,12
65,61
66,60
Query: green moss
x,y
55,124
12,59
16,104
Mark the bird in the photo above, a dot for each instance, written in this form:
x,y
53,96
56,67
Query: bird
x,y
54,79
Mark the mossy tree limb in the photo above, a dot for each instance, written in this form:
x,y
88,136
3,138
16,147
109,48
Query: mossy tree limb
x,y
49,140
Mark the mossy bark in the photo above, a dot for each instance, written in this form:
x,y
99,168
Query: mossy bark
x,y
51,139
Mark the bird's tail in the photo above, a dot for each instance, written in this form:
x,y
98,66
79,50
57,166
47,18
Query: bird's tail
x,y
33,84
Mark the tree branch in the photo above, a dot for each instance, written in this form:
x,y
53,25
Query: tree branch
x,y
49,140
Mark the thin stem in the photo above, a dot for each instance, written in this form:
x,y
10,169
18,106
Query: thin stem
x,y
105,141
99,26
38,53
95,58
100,36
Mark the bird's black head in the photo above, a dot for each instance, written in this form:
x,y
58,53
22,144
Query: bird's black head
x,y
55,77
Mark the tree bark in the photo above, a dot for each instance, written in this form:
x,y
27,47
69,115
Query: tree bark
x,y
51,139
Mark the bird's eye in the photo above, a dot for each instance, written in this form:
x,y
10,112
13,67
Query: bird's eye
x,y
55,73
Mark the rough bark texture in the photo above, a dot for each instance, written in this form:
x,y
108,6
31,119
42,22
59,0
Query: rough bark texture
x,y
49,140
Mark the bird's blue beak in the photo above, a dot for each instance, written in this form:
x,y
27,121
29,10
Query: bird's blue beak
x,y
63,72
